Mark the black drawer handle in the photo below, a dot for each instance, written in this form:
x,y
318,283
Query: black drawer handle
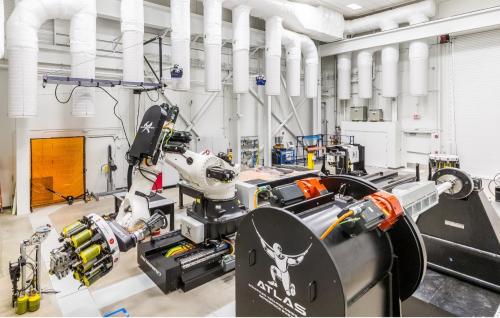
x,y
312,291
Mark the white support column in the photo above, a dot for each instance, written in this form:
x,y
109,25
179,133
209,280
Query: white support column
x,y
237,127
268,134
317,106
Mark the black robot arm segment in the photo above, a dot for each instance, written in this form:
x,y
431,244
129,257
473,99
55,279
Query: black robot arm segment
x,y
221,174
147,143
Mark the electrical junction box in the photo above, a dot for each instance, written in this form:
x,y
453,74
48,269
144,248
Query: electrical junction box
x,y
359,113
192,229
246,194
375,115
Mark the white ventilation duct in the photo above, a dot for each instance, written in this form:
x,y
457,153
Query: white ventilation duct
x,y
317,22
212,23
181,41
132,27
419,67
311,63
390,72
365,66
241,48
414,13
273,56
291,42
344,65
2,30
385,20
22,47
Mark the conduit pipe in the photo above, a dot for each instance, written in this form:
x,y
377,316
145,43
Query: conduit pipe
x,y
181,41
22,47
293,61
273,56
365,74
132,27
212,26
241,48
311,62
344,65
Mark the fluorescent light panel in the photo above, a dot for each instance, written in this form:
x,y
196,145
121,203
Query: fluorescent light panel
x,y
354,6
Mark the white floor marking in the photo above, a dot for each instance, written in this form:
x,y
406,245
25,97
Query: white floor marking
x,y
228,310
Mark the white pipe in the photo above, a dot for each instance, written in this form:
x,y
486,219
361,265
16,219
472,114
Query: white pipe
x,y
132,27
311,62
390,72
293,61
212,26
22,47
387,18
419,62
419,67
241,48
344,65
365,65
317,22
181,41
2,30
273,56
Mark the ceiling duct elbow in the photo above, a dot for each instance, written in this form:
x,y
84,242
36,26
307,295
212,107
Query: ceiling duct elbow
x,y
413,13
317,22
22,49
293,62
181,42
212,26
132,28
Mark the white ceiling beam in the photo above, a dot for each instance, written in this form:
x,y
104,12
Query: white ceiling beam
x,y
158,17
464,23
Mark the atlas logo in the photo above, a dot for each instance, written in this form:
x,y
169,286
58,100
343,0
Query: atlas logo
x,y
147,127
279,272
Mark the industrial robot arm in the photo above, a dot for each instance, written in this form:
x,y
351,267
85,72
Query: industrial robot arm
x,y
157,144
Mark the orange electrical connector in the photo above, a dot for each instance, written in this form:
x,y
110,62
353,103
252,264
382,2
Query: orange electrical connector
x,y
311,187
390,205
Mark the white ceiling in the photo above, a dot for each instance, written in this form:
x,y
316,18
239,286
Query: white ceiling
x,y
368,6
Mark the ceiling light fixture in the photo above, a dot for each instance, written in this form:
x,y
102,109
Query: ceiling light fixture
x,y
354,6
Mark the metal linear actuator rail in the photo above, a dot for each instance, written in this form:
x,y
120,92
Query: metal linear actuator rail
x,y
94,82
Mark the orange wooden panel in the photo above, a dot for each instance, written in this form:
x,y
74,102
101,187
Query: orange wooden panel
x,y
57,164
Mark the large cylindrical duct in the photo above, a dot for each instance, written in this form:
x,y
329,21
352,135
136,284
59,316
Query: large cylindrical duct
x,y
293,61
273,56
241,48
83,54
344,76
390,62
311,62
132,27
365,65
22,47
419,67
212,23
181,42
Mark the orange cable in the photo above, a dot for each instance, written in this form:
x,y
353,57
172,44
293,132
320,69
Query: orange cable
x,y
334,224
